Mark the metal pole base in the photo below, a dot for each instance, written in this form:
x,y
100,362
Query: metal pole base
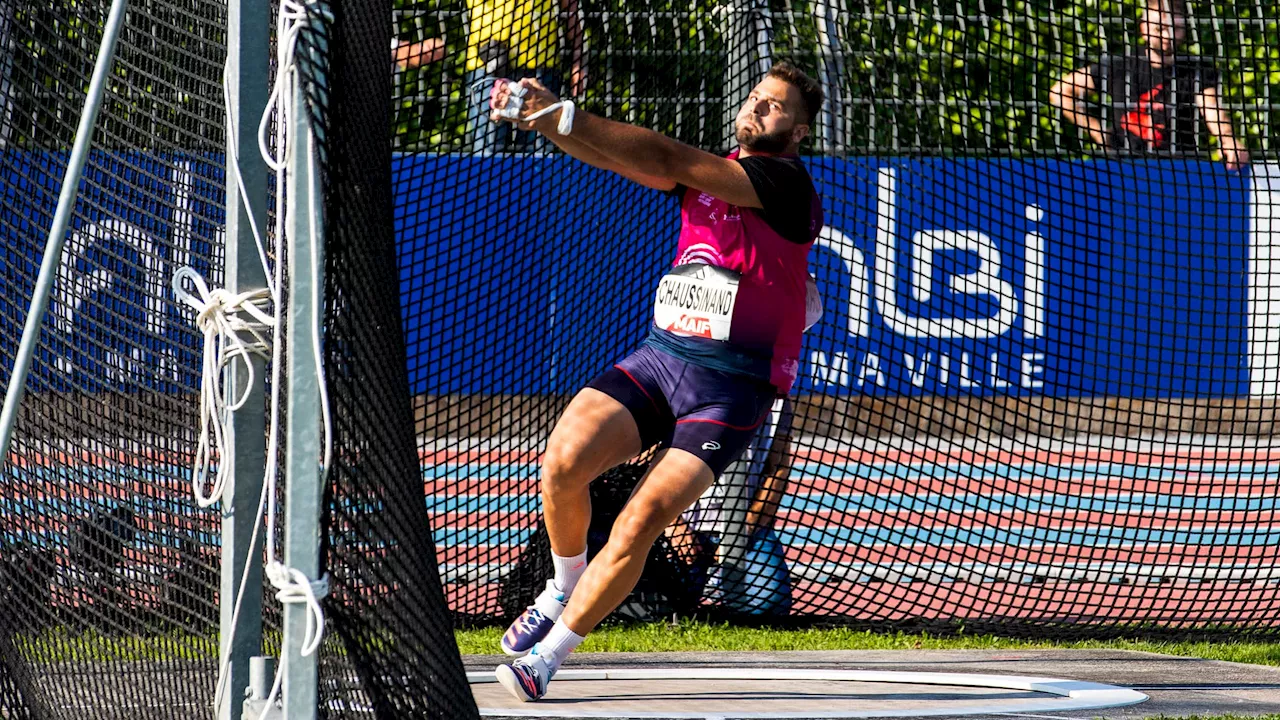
x,y
262,673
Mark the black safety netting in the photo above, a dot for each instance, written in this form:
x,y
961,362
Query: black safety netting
x,y
109,569
386,612
1040,398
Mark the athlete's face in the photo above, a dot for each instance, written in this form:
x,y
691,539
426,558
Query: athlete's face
x,y
769,119
1163,31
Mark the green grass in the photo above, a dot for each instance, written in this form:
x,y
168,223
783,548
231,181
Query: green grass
x,y
705,637
62,645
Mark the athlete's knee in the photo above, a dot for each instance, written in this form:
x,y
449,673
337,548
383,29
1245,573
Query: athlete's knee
x,y
640,524
563,469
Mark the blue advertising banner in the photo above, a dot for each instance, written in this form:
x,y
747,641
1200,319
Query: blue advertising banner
x,y
1123,279
112,320
939,276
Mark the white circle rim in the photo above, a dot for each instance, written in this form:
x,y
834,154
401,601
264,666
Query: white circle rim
x,y
1069,694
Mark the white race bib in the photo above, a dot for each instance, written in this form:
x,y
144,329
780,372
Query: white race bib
x,y
697,300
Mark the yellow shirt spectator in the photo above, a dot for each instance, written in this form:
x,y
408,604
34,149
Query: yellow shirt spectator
x,y
527,27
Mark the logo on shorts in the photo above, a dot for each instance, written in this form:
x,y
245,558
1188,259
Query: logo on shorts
x,y
711,445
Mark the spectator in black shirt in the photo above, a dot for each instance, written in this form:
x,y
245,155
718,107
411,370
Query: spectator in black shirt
x,y
1153,97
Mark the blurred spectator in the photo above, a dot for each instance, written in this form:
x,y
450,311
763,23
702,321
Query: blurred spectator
x,y
413,55
1151,99
98,547
509,39
100,541
190,588
26,576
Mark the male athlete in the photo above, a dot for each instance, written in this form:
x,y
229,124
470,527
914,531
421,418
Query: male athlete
x,y
728,319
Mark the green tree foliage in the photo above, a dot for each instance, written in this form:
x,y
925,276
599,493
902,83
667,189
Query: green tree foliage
x,y
654,62
165,86
916,76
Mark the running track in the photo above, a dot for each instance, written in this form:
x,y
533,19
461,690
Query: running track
x,y
1172,534
1176,535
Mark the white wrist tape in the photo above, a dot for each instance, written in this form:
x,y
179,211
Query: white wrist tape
x,y
566,108
566,118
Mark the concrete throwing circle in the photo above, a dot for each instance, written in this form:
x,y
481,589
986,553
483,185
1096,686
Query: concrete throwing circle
x,y
741,693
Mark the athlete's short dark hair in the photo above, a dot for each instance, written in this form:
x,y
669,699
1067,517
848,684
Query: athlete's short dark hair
x,y
810,90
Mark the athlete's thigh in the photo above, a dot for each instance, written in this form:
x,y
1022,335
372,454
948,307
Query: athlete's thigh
x,y
722,428
596,432
675,479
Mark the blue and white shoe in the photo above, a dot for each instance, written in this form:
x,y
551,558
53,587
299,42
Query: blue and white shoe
x,y
527,678
534,623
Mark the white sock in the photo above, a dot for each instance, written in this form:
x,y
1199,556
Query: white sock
x,y
568,571
557,645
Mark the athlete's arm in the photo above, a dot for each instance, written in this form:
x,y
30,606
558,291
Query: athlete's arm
x,y
1068,95
651,153
1218,122
586,154
646,152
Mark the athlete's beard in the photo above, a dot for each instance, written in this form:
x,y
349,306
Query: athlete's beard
x,y
775,142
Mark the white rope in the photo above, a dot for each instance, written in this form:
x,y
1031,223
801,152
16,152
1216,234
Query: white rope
x,y
295,588
229,336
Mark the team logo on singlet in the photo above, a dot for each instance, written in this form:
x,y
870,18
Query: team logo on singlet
x,y
731,215
791,368
701,253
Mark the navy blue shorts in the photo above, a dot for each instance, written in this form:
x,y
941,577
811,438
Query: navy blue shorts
x,y
710,413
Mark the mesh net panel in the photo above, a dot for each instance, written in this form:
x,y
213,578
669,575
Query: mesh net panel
x,y
108,569
1040,398
387,607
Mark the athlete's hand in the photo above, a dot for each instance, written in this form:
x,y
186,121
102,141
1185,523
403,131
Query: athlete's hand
x,y
536,98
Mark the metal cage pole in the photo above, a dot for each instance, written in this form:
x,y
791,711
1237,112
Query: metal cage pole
x,y
248,77
832,137
304,489
61,222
